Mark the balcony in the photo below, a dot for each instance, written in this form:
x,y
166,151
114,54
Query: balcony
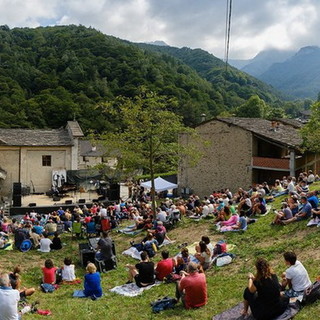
x,y
270,163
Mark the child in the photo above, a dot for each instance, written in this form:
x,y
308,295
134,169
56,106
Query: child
x,y
92,282
68,270
49,272
15,281
182,261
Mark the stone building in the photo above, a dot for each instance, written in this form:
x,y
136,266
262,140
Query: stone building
x,y
30,156
240,152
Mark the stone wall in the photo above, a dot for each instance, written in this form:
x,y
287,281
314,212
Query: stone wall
x,y
225,162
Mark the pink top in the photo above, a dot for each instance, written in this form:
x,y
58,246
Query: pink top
x,y
232,221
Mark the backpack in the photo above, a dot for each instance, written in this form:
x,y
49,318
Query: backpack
x,y
220,247
311,294
163,304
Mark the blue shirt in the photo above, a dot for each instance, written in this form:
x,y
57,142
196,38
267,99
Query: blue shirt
x,y
314,201
38,229
306,209
92,284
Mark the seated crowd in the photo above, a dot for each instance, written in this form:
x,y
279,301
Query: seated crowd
x,y
230,212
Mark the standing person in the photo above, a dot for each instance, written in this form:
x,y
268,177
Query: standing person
x,y
192,288
263,293
142,272
9,299
295,277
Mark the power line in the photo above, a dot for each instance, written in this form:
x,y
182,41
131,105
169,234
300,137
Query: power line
x,y
228,31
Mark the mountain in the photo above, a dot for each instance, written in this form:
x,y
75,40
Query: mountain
x,y
298,76
158,43
262,61
234,86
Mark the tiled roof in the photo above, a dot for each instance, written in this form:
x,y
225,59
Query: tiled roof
x,y
88,150
37,137
284,134
75,129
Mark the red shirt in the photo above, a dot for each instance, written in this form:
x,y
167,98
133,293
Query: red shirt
x,y
164,268
49,275
195,288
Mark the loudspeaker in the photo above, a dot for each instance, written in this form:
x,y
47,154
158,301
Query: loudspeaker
x,y
32,204
82,201
55,198
113,193
17,188
16,198
86,254
68,202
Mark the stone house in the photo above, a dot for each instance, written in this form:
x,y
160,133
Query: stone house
x,y
240,152
29,156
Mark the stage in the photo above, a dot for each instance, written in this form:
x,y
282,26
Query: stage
x,y
41,203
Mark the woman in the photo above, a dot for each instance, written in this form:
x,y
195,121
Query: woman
x,y
92,282
203,255
15,280
263,293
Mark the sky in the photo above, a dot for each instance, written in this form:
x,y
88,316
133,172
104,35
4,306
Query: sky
x,y
256,24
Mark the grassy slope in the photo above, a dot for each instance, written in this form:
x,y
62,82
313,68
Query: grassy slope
x,y
225,285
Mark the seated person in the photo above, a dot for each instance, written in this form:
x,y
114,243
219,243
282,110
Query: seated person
x,y
241,224
160,232
105,251
263,293
50,227
303,214
182,260
49,272
165,266
56,242
67,271
15,281
142,272
284,214
35,237
192,288
92,282
4,239
296,277
259,206
9,299
203,255
45,243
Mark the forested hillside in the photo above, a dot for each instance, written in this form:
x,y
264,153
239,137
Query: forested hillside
x,y
49,75
234,85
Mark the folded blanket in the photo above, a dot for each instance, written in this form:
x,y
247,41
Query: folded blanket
x,y
131,289
235,313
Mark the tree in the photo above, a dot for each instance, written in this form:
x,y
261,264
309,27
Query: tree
x,y
253,108
148,136
311,131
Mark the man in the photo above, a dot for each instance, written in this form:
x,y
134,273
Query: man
x,y
50,227
142,272
296,276
105,249
192,288
165,266
161,215
9,299
303,214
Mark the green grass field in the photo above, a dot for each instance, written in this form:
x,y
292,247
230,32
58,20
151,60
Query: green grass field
x,y
225,284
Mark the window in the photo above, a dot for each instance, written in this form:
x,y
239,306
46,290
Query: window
x,y
46,161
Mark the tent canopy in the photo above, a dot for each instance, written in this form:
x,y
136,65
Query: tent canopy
x,y
160,184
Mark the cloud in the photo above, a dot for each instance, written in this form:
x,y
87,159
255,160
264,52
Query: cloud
x,y
287,24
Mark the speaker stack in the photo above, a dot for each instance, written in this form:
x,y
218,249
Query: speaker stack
x,y
113,193
16,194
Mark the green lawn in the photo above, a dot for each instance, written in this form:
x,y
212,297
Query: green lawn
x,y
225,285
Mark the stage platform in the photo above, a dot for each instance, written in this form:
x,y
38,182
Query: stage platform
x,y
44,204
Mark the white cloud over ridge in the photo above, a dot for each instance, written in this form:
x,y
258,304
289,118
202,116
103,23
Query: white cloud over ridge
x,y
256,25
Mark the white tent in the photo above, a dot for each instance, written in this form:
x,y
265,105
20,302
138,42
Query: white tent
x,y
160,185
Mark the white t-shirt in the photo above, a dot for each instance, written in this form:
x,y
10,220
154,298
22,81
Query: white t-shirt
x,y
103,212
162,216
205,210
9,304
68,273
45,245
299,276
211,207
291,187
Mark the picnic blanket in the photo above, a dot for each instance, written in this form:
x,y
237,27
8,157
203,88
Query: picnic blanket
x,y
129,230
235,313
135,254
131,289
